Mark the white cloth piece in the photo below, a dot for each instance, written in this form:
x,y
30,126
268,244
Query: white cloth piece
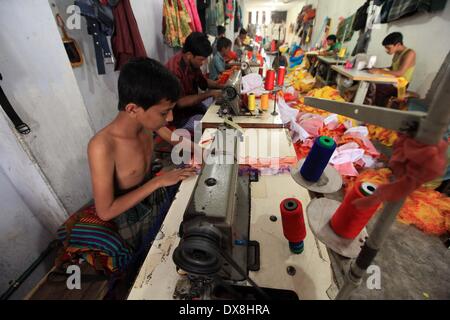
x,y
361,130
252,82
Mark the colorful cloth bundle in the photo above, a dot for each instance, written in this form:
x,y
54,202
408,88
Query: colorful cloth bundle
x,y
94,240
385,136
426,209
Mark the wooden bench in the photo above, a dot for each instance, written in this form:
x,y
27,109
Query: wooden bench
x,y
51,287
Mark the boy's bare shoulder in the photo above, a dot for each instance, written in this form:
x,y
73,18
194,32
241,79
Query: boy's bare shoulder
x,y
101,143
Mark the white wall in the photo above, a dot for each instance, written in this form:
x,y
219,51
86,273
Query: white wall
x,y
30,182
293,8
20,231
40,83
426,33
148,15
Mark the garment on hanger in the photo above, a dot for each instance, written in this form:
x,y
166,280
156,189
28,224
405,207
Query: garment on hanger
x,y
193,12
126,41
220,12
211,19
345,29
404,8
176,21
361,17
238,18
229,9
100,25
202,5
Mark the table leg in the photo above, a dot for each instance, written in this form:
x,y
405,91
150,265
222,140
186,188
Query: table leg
x,y
327,80
362,92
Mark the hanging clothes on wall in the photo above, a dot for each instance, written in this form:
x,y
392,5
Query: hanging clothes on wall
x,y
126,41
360,21
191,8
202,5
100,25
176,22
229,9
238,25
211,19
305,24
345,29
220,12
405,8
20,126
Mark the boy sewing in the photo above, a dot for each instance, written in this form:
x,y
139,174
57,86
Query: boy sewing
x,y
333,47
120,155
218,64
403,65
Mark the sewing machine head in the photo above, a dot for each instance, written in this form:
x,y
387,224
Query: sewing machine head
x,y
215,228
231,103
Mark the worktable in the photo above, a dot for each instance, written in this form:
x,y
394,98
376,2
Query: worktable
x,y
265,120
329,61
364,79
313,275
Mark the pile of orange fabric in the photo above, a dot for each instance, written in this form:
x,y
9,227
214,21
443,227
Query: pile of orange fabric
x,y
427,209
385,136
224,76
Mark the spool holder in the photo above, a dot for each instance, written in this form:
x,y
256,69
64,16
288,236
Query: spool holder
x,y
275,91
329,182
319,212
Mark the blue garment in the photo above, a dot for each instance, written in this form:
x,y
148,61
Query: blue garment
x,y
217,66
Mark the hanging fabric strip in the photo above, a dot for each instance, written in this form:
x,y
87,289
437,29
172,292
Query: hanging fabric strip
x,y
20,126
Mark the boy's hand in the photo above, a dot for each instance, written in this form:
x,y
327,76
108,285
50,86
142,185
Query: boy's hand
x,y
375,71
216,94
174,176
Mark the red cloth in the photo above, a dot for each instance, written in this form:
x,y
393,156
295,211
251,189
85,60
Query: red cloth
x,y
413,164
126,41
191,79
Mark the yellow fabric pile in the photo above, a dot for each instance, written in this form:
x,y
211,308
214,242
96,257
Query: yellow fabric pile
x,y
385,136
426,209
327,92
301,79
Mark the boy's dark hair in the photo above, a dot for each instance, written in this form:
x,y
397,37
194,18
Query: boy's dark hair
x,y
221,30
198,44
332,37
243,32
145,82
393,39
223,43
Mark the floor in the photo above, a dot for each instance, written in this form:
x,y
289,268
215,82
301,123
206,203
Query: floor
x,y
413,266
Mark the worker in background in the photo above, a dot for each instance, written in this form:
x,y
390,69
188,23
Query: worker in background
x,y
218,63
403,65
239,43
333,47
220,34
186,65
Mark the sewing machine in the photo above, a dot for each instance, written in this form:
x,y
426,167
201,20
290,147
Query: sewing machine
x,y
215,245
231,102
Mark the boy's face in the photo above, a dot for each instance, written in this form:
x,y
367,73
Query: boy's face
x,y
155,117
330,42
196,62
392,48
225,51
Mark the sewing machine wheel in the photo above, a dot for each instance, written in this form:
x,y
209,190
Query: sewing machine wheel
x,y
198,252
230,93
245,66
